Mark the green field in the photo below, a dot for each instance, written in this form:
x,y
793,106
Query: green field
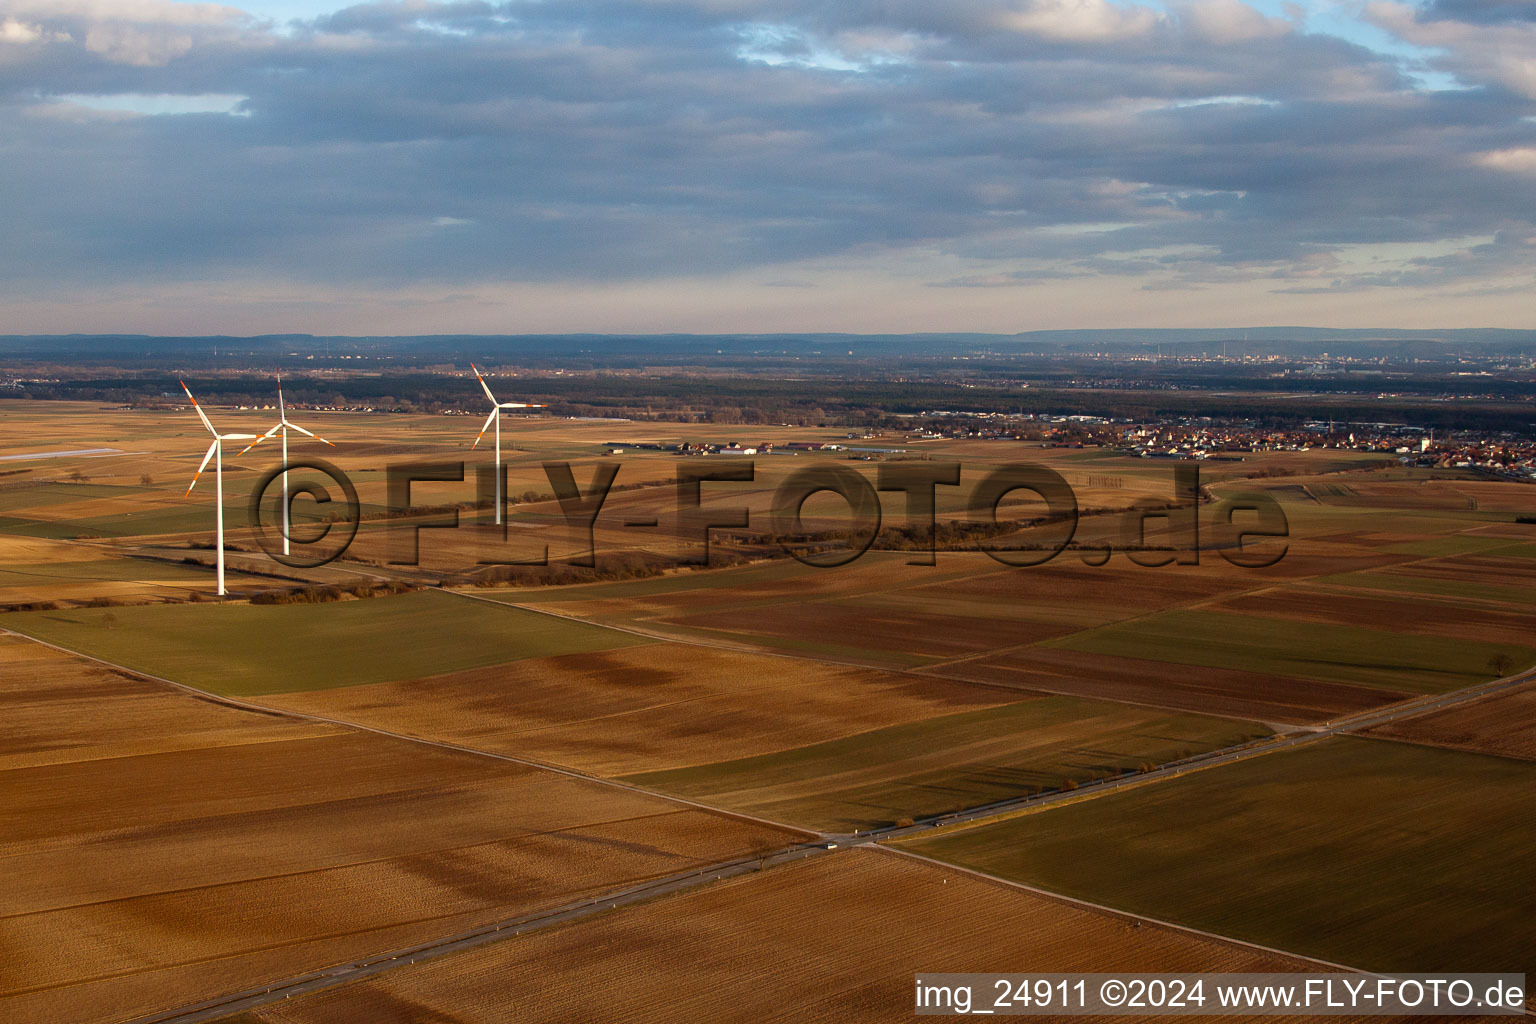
x,y
192,517
127,569
1380,855
60,493
189,516
948,763
255,649
1305,650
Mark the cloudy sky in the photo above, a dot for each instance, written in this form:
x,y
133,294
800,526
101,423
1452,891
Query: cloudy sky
x,y
748,165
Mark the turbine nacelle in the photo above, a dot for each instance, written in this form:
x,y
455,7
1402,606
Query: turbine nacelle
x,y
500,405
282,425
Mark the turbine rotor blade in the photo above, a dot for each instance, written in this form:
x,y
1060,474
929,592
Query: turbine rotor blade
x,y
206,459
494,413
317,437
484,386
521,405
200,414
260,439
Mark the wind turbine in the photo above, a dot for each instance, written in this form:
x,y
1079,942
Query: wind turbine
x,y
215,451
495,417
282,427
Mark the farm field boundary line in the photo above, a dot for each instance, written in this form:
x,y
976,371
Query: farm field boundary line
x,y
923,671
932,669
262,709
1100,908
1363,720
990,813
1073,901
935,667
929,671
920,672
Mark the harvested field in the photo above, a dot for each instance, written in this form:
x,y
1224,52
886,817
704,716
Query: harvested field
x,y
166,848
1504,723
1386,856
834,939
1307,650
1207,690
234,648
948,763
646,708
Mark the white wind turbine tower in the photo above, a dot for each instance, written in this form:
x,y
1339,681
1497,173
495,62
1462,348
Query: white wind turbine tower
x,y
495,417
215,451
282,427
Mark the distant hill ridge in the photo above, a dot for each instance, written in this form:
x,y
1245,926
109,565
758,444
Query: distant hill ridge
x,y
1234,341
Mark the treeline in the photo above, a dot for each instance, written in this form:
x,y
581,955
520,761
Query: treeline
x,y
329,594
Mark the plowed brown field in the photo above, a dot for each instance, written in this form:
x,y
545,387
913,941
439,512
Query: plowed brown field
x,y
159,848
647,708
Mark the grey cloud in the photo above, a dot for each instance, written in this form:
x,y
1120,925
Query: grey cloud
x,y
606,141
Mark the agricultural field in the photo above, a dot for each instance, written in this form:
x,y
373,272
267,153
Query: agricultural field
x,y
843,937
1374,854
258,649
1503,723
1234,693
645,708
1424,617
237,848
949,763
